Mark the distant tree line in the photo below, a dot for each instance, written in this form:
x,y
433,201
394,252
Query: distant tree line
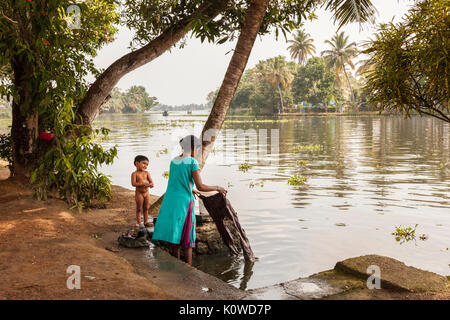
x,y
184,107
317,84
135,99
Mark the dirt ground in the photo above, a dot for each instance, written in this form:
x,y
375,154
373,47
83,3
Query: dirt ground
x,y
40,239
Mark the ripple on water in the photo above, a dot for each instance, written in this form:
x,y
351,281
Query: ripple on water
x,y
371,173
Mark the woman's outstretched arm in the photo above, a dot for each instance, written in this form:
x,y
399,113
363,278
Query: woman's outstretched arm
x,y
203,187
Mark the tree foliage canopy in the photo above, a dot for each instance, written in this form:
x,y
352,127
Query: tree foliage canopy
x,y
151,17
44,63
410,62
314,82
36,43
301,46
135,99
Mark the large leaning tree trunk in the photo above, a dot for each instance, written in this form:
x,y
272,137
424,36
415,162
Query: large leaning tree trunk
x,y
99,92
254,16
25,121
25,144
27,149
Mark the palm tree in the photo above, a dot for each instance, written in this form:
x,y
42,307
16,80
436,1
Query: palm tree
x,y
368,65
340,56
301,47
345,11
276,72
253,19
361,11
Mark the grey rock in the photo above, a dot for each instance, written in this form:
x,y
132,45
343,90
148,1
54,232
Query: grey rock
x,y
394,274
208,239
134,243
307,288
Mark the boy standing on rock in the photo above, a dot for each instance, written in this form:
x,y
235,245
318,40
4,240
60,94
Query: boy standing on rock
x,y
142,180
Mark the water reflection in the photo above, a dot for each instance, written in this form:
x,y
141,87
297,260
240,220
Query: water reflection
x,y
236,271
371,173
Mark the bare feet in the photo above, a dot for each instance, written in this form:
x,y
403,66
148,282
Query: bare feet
x,y
148,224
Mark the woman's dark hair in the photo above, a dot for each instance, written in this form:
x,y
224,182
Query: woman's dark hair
x,y
190,142
140,158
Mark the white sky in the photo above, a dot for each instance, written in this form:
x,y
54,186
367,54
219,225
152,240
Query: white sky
x,y
187,75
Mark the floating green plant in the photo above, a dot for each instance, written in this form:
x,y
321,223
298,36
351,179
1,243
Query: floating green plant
x,y
296,180
310,148
302,163
163,151
405,234
253,184
423,237
244,167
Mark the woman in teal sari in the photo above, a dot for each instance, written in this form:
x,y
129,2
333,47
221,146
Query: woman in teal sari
x,y
176,219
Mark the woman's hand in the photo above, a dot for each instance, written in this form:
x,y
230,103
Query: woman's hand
x,y
222,191
196,194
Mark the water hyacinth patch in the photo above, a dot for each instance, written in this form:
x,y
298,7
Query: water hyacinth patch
x,y
309,148
405,234
244,167
253,184
302,163
296,180
229,184
163,151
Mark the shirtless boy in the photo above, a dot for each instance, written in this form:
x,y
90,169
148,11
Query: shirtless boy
x,y
142,180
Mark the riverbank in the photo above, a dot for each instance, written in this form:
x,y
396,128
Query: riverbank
x,y
39,240
311,114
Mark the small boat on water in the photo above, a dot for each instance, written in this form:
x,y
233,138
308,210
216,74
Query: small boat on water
x,y
165,113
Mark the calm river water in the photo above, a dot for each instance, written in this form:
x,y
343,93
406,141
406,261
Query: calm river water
x,y
365,176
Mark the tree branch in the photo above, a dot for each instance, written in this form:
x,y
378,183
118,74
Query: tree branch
x,y
9,19
99,91
427,105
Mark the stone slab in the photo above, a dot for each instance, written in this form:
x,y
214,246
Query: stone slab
x,y
299,289
394,274
308,289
